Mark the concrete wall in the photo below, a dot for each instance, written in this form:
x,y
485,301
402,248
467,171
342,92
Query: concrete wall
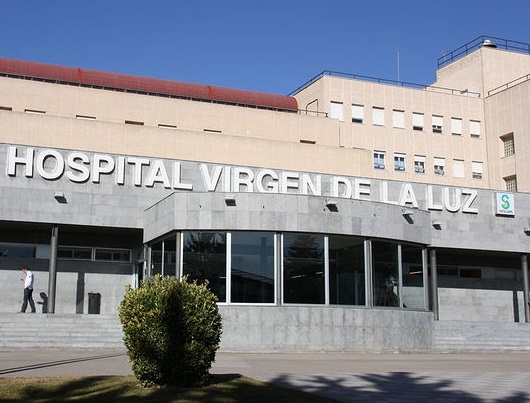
x,y
502,306
251,328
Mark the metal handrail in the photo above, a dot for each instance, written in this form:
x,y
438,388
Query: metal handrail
x,y
500,88
507,44
382,81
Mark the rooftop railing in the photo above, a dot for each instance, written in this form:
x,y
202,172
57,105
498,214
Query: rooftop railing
x,y
489,41
384,81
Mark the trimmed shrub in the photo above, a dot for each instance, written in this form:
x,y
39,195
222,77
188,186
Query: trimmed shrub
x,y
172,330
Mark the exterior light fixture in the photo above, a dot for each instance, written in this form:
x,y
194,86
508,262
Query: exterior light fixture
x,y
230,200
60,197
331,205
526,230
437,224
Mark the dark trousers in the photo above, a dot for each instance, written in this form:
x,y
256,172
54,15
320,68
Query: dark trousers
x,y
28,297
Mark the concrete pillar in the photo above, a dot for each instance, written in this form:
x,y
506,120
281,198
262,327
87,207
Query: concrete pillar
x,y
368,273
52,276
524,264
434,285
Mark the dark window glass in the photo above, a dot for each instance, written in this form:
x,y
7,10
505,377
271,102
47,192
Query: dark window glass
x,y
252,272
412,266
346,270
204,259
386,280
303,268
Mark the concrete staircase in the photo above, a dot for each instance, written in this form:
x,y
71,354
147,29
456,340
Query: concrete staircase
x,y
481,336
28,331
60,331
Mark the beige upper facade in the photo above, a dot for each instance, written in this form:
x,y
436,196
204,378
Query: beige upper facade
x,y
470,128
462,130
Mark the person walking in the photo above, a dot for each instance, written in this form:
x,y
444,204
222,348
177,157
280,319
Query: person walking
x,y
28,291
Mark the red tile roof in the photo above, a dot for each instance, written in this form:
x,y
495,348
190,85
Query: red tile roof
x,y
150,86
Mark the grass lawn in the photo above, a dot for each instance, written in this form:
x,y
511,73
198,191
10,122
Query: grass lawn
x,y
223,388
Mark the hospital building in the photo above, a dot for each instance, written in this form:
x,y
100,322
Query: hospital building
x,y
355,213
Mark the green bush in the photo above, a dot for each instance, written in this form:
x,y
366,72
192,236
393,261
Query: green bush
x,y
172,329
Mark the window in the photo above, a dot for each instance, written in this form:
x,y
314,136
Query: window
x,y
398,119
335,111
163,126
476,169
439,166
113,255
419,164
378,116
204,258
399,162
417,121
85,117
303,268
474,128
511,183
72,252
34,112
456,126
437,123
357,113
379,160
252,267
346,270
508,144
458,168
134,122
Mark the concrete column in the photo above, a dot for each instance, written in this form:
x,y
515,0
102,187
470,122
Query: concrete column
x,y
368,273
425,269
434,285
524,264
400,275
179,247
52,276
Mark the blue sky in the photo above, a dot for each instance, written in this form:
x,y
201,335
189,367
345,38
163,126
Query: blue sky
x,y
271,46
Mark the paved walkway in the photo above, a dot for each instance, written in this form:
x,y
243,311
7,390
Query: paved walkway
x,y
347,377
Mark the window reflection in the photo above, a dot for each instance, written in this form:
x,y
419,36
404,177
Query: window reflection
x,y
303,268
386,277
204,259
252,268
346,270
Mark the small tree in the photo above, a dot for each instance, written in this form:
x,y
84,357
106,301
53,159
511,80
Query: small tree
x,y
172,330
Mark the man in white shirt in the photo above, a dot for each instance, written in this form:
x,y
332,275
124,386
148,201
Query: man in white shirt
x,y
28,291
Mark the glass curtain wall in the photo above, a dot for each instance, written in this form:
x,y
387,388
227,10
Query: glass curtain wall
x,y
246,266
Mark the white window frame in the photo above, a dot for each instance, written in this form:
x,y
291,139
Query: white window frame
x,y
458,169
439,166
378,116
419,164
399,162
398,119
437,123
336,111
357,114
477,169
378,157
474,128
456,126
417,121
